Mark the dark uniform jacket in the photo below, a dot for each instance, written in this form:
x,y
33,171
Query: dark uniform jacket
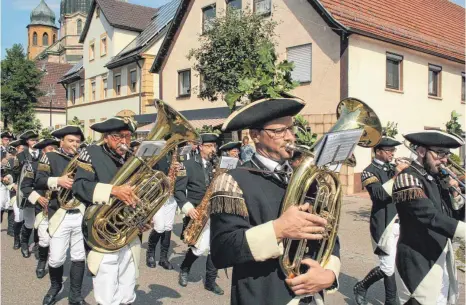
x,y
427,223
243,205
28,186
7,170
20,159
383,210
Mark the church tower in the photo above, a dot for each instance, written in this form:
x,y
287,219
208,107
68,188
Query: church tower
x,y
42,31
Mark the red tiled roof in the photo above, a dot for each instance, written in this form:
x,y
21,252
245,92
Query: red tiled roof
x,y
436,26
54,72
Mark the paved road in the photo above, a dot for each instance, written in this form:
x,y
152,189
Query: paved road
x,y
158,286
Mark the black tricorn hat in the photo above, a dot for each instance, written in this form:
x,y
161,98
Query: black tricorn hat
x,y
67,130
230,145
29,134
387,142
7,134
209,137
135,143
46,142
18,142
115,124
258,113
428,138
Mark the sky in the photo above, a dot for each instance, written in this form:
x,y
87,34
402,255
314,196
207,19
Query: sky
x,y
15,18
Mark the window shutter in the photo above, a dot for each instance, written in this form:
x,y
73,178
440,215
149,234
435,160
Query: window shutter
x,y
302,58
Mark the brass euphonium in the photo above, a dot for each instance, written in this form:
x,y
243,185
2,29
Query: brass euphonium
x,y
111,227
65,196
324,187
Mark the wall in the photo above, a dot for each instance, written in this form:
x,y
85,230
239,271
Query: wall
x,y
34,50
58,117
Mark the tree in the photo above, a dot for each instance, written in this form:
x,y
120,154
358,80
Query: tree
x,y
20,81
237,61
76,122
453,125
46,133
304,135
391,130
208,129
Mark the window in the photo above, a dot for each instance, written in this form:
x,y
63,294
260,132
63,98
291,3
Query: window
x,y
82,92
103,45
91,50
34,39
73,96
79,26
92,90
54,38
434,80
208,15
184,83
463,85
117,84
45,39
301,56
104,87
133,80
234,4
262,7
394,72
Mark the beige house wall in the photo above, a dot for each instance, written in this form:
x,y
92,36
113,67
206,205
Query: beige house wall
x,y
58,117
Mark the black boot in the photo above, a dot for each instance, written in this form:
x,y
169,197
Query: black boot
x,y
76,282
1,215
25,235
188,261
164,246
56,285
210,276
17,237
151,244
43,255
390,290
11,223
360,289
35,248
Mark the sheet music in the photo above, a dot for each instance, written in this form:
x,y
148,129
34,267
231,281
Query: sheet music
x,y
337,146
228,162
150,148
184,150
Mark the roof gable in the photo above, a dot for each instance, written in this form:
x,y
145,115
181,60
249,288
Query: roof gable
x,y
53,72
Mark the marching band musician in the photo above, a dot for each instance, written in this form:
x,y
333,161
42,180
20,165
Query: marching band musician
x,y
378,179
115,273
189,191
247,228
63,226
6,185
24,160
18,219
37,198
6,138
231,149
425,262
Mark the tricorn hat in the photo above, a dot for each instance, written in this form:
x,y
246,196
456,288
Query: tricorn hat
x,y
67,130
46,142
230,145
115,124
428,138
209,137
29,134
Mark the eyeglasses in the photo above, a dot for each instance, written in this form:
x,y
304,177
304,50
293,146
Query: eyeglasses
x,y
280,132
120,136
441,154
391,150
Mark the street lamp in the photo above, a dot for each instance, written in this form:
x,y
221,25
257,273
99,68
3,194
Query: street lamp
x,y
51,94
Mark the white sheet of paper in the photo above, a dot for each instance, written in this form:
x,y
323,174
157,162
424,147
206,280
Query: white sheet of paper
x,y
150,148
338,146
228,162
184,150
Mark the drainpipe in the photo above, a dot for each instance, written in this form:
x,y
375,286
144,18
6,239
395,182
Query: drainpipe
x,y
140,86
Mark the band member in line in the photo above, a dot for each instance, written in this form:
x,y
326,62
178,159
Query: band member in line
x,y
64,226
427,207
114,274
247,227
378,179
231,149
189,191
6,138
24,161
7,163
38,199
247,150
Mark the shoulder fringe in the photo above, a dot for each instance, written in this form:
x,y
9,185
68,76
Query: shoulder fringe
x,y
370,180
29,174
227,197
85,166
408,195
43,167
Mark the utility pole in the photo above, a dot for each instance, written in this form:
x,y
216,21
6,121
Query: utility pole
x,y
51,94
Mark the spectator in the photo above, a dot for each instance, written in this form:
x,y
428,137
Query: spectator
x,y
246,150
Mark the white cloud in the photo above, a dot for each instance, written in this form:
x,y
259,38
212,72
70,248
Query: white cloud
x,y
31,4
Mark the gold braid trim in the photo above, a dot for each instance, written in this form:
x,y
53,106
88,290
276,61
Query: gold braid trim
x,y
85,166
43,167
369,181
408,195
29,175
227,197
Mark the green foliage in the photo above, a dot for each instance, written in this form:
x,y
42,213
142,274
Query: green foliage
x,y
455,158
391,130
89,140
208,129
453,125
46,133
20,79
237,59
75,121
304,135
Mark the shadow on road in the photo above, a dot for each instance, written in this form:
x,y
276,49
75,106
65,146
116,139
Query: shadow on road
x,y
156,293
362,214
346,289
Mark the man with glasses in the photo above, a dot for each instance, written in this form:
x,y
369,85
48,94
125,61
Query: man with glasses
x,y
428,211
247,225
189,191
115,273
378,180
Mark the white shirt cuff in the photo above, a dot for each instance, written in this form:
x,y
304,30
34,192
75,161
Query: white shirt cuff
x,y
33,197
460,230
102,193
263,242
52,183
187,207
458,202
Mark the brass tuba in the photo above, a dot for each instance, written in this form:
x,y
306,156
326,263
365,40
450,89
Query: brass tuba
x,y
65,196
111,227
324,186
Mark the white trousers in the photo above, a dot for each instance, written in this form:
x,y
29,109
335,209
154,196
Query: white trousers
x,y
203,244
443,297
29,215
4,197
116,279
387,262
18,212
163,219
68,234
44,236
